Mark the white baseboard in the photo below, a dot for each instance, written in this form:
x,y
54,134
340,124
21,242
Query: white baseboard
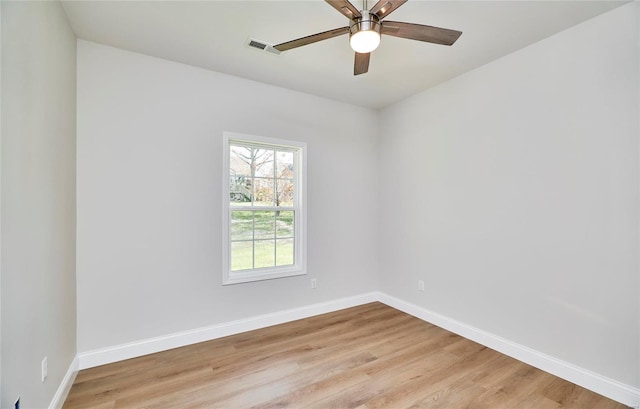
x,y
610,388
148,346
65,385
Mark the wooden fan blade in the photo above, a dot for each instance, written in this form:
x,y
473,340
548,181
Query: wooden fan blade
x,y
384,7
361,63
420,32
314,38
345,8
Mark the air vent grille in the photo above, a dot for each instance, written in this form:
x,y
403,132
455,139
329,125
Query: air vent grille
x,y
261,45
256,44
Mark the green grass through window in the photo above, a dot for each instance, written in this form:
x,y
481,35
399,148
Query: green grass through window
x,y
261,238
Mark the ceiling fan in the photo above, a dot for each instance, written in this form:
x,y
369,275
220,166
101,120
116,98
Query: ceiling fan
x,y
366,26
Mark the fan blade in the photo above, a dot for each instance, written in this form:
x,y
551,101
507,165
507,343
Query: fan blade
x,y
361,63
420,32
346,8
384,7
325,35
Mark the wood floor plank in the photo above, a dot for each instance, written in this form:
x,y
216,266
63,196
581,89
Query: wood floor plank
x,y
366,357
432,379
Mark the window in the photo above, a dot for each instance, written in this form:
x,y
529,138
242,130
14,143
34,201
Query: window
x,y
263,208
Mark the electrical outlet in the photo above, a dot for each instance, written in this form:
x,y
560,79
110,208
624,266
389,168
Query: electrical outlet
x,y
314,283
420,285
44,368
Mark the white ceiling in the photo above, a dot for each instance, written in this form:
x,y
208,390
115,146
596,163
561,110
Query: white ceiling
x,y
212,35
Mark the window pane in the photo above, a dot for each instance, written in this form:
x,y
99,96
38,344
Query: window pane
x,y
240,161
241,225
265,253
239,190
284,252
264,192
265,224
284,162
284,224
241,255
262,161
284,194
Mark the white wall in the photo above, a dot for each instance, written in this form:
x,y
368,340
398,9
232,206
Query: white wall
x,y
0,206
513,191
38,200
149,196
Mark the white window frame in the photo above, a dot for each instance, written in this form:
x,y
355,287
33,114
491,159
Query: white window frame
x,y
300,212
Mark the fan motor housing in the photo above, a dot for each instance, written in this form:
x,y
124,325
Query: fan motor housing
x,y
372,22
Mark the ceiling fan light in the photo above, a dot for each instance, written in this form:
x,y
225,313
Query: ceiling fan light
x,y
364,33
364,41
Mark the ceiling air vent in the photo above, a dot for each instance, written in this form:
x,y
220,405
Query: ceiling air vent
x,y
261,45
254,43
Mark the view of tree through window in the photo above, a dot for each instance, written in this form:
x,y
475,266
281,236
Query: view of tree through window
x,y
261,198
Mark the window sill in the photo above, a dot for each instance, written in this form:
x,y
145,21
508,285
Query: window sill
x,y
251,276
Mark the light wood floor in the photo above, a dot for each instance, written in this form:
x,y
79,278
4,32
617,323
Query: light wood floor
x,y
371,356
